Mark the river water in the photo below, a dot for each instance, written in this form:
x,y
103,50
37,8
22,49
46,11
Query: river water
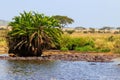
x,y
59,70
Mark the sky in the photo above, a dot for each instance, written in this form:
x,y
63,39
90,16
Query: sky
x,y
86,13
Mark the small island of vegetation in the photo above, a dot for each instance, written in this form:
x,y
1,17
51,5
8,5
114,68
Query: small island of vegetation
x,y
36,35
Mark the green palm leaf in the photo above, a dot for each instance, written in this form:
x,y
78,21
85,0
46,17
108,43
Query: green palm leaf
x,y
32,32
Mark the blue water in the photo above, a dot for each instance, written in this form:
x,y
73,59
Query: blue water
x,y
58,70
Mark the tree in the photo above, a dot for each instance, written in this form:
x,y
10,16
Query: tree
x,y
118,28
32,33
106,28
92,30
63,20
80,29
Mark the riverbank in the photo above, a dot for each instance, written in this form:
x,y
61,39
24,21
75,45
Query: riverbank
x,y
78,56
68,56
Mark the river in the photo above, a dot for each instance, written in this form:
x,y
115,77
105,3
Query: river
x,y
59,70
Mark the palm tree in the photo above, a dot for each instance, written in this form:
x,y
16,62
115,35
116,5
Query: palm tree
x,y
32,33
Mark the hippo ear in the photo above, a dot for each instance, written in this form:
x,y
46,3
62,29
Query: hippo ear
x,y
12,55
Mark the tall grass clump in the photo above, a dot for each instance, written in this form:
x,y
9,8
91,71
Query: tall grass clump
x,y
64,49
102,46
116,48
3,36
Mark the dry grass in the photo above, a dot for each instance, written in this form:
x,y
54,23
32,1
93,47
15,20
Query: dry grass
x,y
94,35
3,35
101,40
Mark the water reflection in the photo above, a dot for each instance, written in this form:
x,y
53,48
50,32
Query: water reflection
x,y
58,70
23,69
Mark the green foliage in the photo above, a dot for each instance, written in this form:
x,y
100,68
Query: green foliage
x,y
104,50
32,32
63,20
84,49
64,49
72,43
85,44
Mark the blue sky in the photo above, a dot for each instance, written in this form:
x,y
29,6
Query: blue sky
x,y
86,13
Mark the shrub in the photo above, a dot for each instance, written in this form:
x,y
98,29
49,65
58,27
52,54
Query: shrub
x,y
70,31
81,42
111,38
90,42
85,32
65,41
87,44
99,43
64,49
105,50
102,45
71,43
77,42
84,49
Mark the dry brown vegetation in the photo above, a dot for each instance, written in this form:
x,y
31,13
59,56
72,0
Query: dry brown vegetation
x,y
94,35
3,41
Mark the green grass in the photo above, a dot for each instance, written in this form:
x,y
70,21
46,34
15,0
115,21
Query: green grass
x,y
64,49
95,42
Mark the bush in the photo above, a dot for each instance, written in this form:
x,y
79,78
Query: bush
x,y
72,43
102,45
105,50
84,49
64,49
85,32
65,41
76,42
86,44
90,42
111,38
70,31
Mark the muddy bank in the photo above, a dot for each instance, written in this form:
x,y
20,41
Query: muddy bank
x,y
68,56
78,56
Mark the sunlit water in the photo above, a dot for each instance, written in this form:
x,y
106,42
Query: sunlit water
x,y
58,70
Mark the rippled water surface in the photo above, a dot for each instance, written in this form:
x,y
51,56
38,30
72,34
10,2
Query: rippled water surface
x,y
58,70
